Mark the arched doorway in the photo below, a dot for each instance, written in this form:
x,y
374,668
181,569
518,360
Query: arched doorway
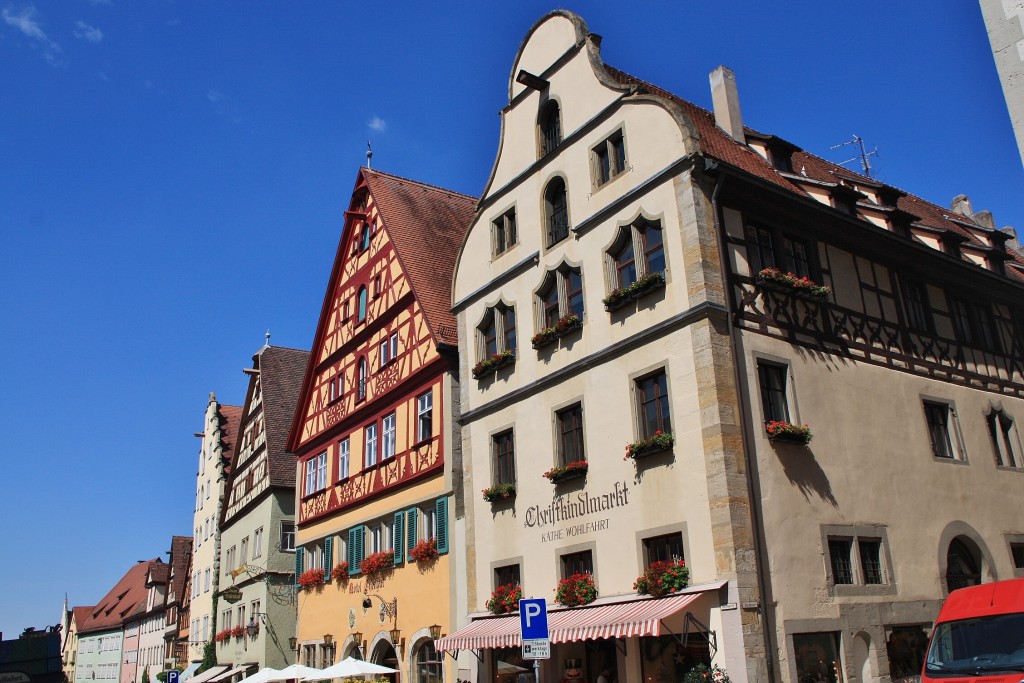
x,y
385,655
963,564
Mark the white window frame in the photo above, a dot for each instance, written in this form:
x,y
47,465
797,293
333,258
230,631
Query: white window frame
x,y
257,543
344,449
243,551
371,444
425,413
389,436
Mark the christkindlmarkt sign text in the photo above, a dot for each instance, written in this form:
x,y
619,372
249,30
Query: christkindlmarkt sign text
x,y
570,507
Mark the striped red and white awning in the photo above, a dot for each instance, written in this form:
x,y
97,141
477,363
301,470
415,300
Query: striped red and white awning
x,y
641,617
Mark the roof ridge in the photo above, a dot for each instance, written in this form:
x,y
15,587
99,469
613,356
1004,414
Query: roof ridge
x,y
436,188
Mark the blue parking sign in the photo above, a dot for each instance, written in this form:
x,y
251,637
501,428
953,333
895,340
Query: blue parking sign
x,y
533,618
172,676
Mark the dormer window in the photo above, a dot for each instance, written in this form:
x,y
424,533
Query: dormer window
x,y
556,211
550,125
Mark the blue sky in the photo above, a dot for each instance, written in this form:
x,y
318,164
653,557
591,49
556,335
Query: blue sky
x,y
173,176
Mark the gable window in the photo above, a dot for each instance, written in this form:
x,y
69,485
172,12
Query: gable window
x,y
376,287
343,453
652,405
556,211
550,124
361,308
639,251
371,444
938,418
504,450
361,385
560,295
569,423
503,232
915,301
287,535
388,440
364,237
609,159
388,349
772,378
1004,439
497,332
577,563
666,548
424,416
335,388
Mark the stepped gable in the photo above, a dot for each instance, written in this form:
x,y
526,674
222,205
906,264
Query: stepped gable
x,y
718,144
281,373
121,602
427,226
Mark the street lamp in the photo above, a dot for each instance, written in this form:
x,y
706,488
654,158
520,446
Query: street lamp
x,y
357,638
435,631
328,639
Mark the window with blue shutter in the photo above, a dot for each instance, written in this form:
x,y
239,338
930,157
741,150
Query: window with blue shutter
x,y
328,558
399,539
298,564
442,525
355,550
410,524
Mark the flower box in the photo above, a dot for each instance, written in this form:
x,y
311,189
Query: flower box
x,y
621,296
773,278
662,578
311,578
572,470
788,433
424,551
505,599
565,325
238,631
222,636
576,590
499,492
494,363
340,572
661,441
377,562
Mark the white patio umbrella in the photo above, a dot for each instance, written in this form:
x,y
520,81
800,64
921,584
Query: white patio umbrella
x,y
350,666
294,671
260,676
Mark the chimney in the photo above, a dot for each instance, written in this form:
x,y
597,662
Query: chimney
x,y
962,205
726,101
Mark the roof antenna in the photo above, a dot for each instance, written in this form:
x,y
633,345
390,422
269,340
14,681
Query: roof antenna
x,y
267,343
369,154
862,157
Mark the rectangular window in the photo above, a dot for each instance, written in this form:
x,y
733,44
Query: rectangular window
x,y
288,536
577,563
257,543
570,434
310,476
206,581
609,159
241,615
243,551
937,415
960,310
760,251
382,354
667,548
229,559
343,451
335,388
394,345
371,444
839,551
817,657
915,300
652,405
507,575
503,230
429,517
254,610
424,416
772,378
503,445
798,255
870,559
388,442
1017,552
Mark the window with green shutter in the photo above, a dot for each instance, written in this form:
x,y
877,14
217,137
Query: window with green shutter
x,y
328,557
399,540
355,550
410,524
442,525
298,565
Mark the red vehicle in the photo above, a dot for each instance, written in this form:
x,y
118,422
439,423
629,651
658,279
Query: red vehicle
x,y
979,635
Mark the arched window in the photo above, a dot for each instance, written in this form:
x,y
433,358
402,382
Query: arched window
x,y
364,368
556,211
496,339
361,310
625,263
1004,439
560,295
428,664
638,253
963,565
550,124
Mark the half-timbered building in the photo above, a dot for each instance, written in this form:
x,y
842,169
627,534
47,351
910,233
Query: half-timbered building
x,y
375,435
658,309
256,606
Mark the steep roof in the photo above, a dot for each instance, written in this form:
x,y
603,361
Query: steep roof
x,y
427,226
181,553
231,419
121,602
281,373
716,143
159,573
81,614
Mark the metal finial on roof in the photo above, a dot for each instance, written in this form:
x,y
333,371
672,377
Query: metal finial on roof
x,y
369,154
267,335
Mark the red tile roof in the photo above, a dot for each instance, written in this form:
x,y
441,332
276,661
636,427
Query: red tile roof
x,y
426,225
81,614
122,602
281,373
231,418
181,554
